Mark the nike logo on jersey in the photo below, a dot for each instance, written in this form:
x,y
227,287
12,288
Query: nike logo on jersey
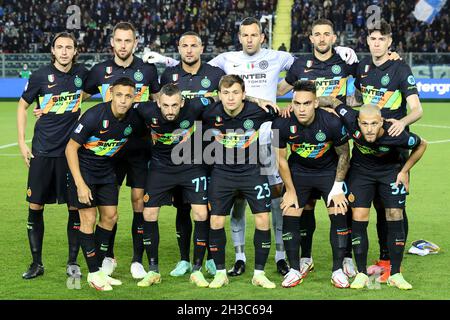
x,y
103,131
205,198
154,126
51,85
293,137
236,65
307,70
107,77
363,76
218,124
400,202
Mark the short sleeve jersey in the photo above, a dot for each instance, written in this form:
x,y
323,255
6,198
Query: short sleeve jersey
x,y
386,86
330,76
167,135
205,83
312,147
381,154
103,75
260,71
101,136
59,96
234,140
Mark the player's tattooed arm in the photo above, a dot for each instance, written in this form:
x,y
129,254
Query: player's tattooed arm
x,y
290,196
262,103
343,152
283,87
83,191
21,125
329,101
354,100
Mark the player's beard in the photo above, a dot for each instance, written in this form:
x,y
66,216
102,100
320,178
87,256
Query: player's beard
x,y
322,51
116,53
190,63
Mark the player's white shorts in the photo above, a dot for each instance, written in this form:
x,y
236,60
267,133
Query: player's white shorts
x,y
267,156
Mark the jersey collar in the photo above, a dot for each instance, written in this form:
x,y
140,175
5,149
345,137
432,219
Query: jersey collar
x,y
184,73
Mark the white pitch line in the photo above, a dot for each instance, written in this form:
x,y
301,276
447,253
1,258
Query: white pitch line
x,y
10,155
12,144
430,126
439,141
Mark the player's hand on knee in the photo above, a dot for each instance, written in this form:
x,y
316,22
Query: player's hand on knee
x,y
403,178
26,154
396,128
289,200
340,203
37,112
84,194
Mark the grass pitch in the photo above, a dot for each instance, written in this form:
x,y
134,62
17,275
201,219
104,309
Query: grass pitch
x,y
428,208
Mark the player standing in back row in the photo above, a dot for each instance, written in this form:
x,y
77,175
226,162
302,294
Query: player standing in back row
x,y
57,88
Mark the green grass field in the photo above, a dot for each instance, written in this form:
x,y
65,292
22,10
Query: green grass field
x,y
428,209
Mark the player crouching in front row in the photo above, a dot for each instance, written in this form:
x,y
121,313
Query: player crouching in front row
x,y
100,133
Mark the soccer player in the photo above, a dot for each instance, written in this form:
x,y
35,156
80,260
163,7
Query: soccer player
x,y
376,166
233,125
173,123
260,69
133,162
194,79
390,85
57,89
99,135
318,162
330,74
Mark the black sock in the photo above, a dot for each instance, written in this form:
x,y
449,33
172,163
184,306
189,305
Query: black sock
x,y
151,243
348,249
396,244
360,244
183,225
217,243
382,231
338,239
35,228
201,233
291,239
102,241
137,230
307,228
208,249
73,227
405,224
87,242
112,239
262,242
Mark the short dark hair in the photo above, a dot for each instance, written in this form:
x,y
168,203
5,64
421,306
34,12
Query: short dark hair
x,y
65,35
320,22
191,33
124,26
230,79
170,89
124,81
305,85
383,27
249,21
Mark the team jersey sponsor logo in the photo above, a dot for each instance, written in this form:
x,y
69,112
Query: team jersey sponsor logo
x,y
384,149
365,149
382,98
104,148
176,137
59,104
236,139
142,92
309,150
198,94
263,65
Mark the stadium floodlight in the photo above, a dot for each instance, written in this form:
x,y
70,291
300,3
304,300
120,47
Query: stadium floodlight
x,y
269,19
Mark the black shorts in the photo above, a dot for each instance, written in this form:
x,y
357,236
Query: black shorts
x,y
364,184
312,187
103,194
47,180
191,184
134,165
223,189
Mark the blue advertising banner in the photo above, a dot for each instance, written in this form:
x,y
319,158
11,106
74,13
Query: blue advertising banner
x,y
428,88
